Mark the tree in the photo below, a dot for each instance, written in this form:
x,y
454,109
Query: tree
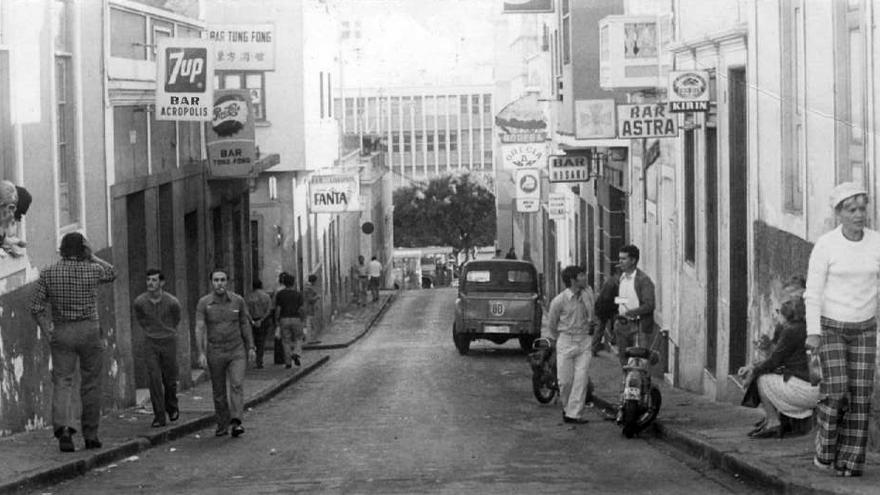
x,y
452,210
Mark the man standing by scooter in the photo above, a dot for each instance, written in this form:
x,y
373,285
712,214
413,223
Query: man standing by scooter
x,y
569,322
635,302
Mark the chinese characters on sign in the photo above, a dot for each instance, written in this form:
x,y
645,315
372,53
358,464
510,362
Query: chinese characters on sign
x,y
183,80
243,47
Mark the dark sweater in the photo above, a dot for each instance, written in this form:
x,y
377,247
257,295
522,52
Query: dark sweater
x,y
789,357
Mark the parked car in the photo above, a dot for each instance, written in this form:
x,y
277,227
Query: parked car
x,y
498,300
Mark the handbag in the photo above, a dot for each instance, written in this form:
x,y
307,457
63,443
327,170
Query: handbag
x,y
751,397
815,365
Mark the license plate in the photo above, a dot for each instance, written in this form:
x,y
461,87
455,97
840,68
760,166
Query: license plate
x,y
496,328
631,393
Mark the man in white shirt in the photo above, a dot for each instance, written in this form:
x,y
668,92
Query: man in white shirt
x,y
374,270
569,324
635,301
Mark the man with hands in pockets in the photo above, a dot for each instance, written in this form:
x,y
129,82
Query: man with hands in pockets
x,y
569,325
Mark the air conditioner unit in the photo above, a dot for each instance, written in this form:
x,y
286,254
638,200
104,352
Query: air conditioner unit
x,y
630,52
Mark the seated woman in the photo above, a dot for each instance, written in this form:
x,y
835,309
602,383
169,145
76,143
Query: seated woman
x,y
783,379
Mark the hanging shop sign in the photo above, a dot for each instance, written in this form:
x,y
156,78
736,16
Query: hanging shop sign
x,y
230,135
334,193
556,206
688,91
527,6
569,168
528,190
243,46
594,119
184,79
646,120
524,155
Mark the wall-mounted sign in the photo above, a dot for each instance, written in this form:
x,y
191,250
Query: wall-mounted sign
x,y
243,46
688,91
525,155
528,189
230,135
556,206
334,193
527,6
646,120
184,79
594,119
569,168
524,137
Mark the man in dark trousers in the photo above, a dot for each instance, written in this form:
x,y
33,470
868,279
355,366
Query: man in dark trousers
x,y
223,335
74,333
606,309
158,314
260,308
635,301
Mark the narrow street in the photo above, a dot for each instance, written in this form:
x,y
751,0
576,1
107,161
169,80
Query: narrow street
x,y
403,412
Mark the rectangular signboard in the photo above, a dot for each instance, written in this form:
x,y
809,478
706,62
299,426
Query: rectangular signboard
x,y
527,6
230,135
524,155
243,46
649,120
688,91
334,193
556,207
569,168
184,79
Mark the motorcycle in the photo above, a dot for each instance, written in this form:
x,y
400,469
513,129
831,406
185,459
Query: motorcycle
x,y
542,360
641,399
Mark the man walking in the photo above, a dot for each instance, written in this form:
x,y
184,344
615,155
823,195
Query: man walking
x,y
605,310
223,332
69,287
289,320
569,322
260,308
363,276
311,296
374,270
635,302
158,314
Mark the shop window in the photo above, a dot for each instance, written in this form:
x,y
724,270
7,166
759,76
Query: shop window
x,y
68,167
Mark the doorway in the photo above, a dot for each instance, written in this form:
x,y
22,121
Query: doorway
x,y
738,153
711,201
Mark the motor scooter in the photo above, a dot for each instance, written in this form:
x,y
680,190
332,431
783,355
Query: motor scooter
x,y
545,385
640,398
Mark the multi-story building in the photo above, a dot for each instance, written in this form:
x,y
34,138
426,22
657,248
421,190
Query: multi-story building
x,y
428,131
80,132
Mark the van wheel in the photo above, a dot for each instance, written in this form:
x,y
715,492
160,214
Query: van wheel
x,y
462,342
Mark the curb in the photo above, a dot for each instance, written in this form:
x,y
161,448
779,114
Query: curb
x,y
72,469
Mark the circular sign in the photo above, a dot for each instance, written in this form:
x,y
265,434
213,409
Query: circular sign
x,y
367,228
230,115
689,86
528,183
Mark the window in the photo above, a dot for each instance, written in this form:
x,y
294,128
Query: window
x,y
7,153
161,30
189,143
453,141
321,86
254,82
487,104
463,99
407,142
128,35
793,72
345,31
566,33
68,168
850,84
475,104
329,96
690,198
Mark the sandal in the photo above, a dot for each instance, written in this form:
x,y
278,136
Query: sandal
x,y
775,431
760,425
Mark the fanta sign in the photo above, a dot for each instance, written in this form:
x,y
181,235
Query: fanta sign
x,y
183,83
334,193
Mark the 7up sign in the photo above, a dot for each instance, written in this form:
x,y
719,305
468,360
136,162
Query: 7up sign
x,y
184,76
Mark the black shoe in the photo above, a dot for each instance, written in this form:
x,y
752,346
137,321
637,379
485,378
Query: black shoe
x,y
237,430
158,423
221,431
174,414
65,440
288,366
773,432
296,360
93,443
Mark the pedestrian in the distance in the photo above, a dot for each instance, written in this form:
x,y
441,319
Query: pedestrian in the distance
x,y
311,297
225,341
375,271
278,348
363,279
569,322
289,317
262,321
158,314
841,316
69,286
511,254
606,310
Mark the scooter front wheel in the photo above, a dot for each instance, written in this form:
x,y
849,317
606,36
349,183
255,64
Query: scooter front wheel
x,y
542,390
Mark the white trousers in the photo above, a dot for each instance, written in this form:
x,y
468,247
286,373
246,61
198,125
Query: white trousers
x,y
572,370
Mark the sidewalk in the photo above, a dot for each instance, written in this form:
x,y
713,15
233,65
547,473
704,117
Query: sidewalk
x,y
32,459
717,431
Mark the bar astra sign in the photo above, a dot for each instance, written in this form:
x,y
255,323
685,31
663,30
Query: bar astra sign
x,y
645,121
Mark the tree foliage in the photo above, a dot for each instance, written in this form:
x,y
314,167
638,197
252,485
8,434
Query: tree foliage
x,y
452,210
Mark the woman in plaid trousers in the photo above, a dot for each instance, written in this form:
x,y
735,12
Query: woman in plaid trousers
x,y
841,305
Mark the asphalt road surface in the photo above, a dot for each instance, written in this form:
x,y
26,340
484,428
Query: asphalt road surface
x,y
402,412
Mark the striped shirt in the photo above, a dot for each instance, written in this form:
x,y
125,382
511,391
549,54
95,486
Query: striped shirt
x,y
70,288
